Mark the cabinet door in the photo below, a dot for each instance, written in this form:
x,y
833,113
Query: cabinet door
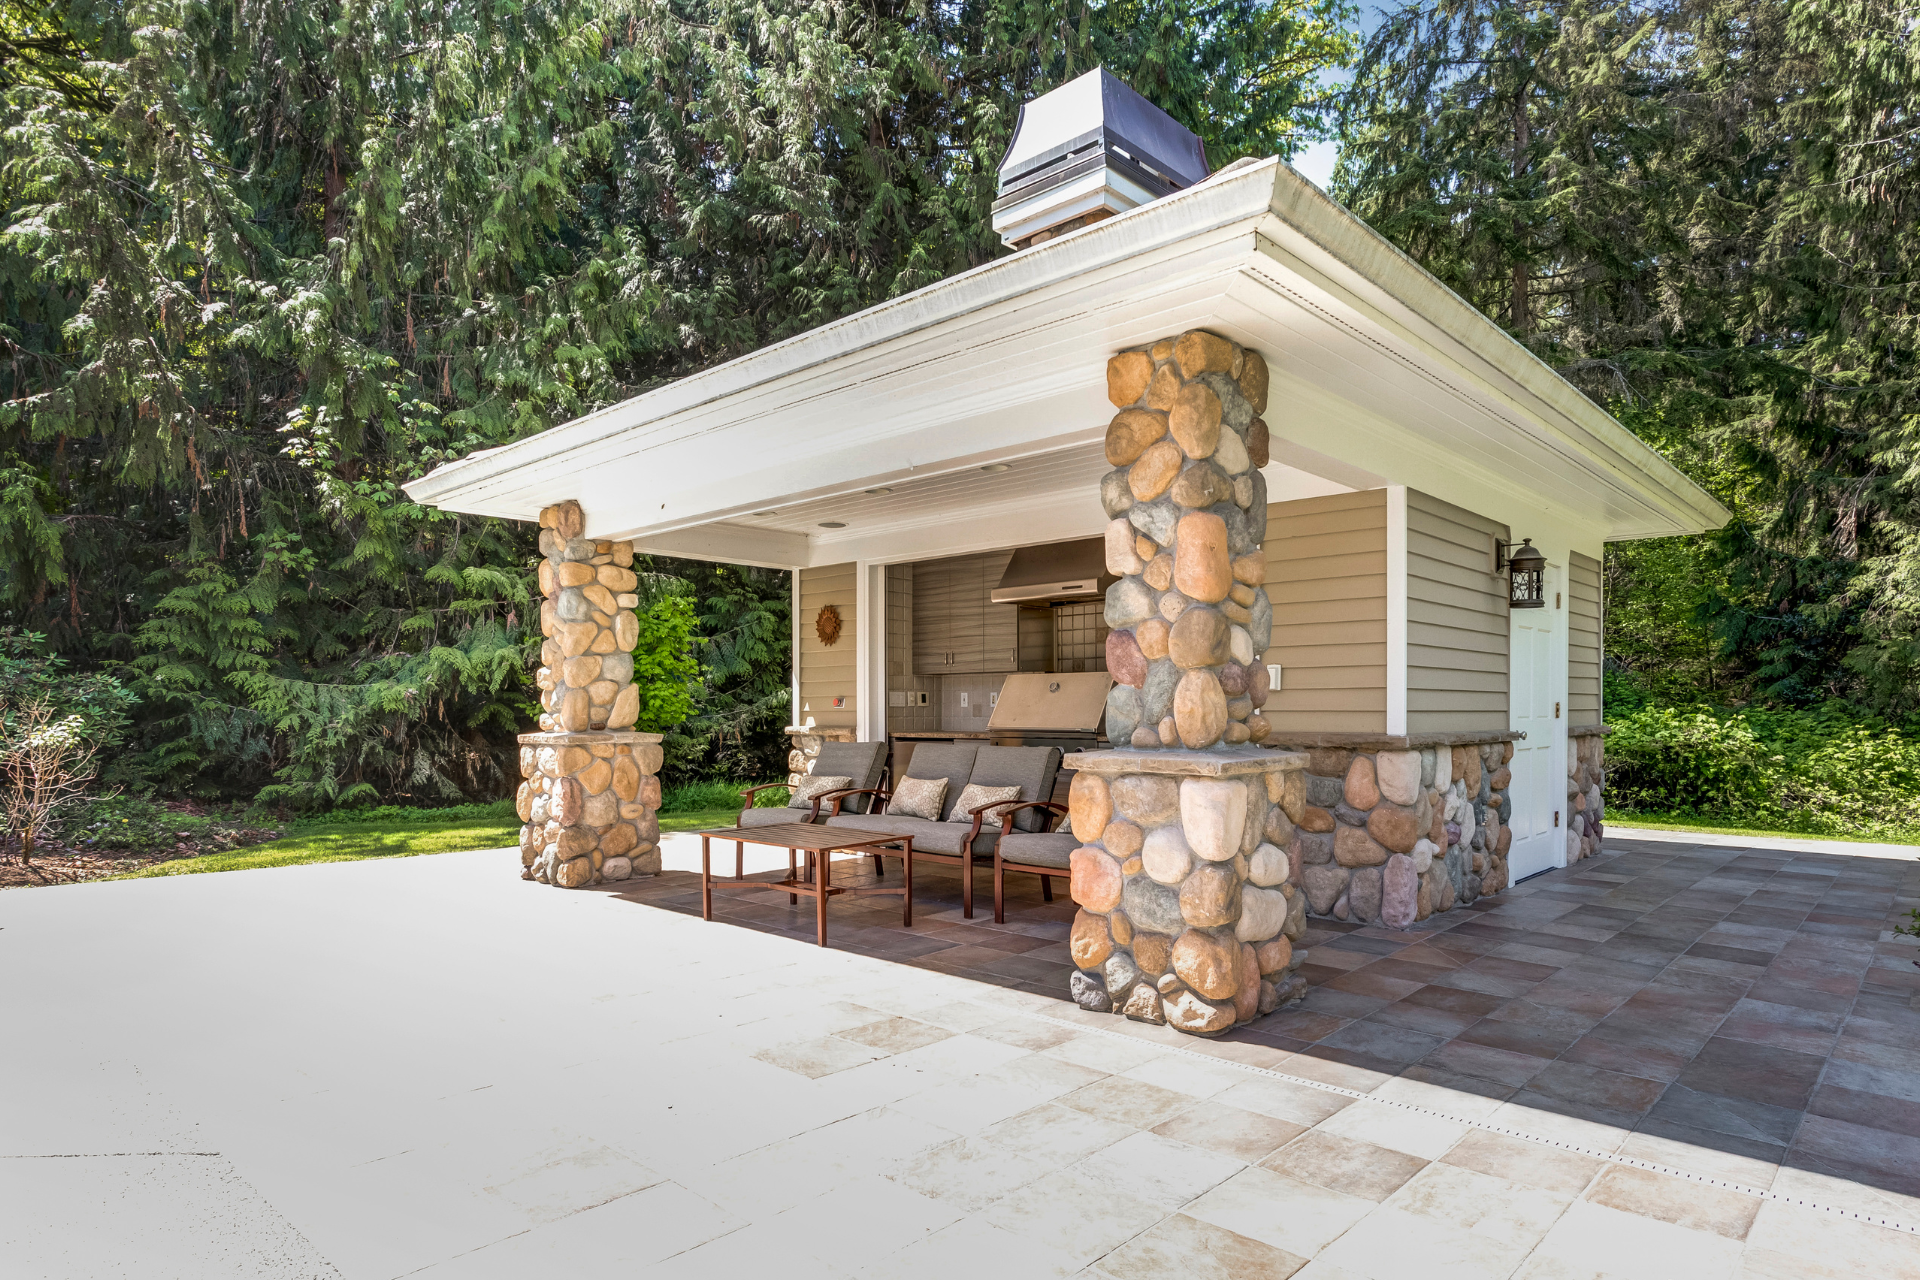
x,y
931,622
966,630
999,623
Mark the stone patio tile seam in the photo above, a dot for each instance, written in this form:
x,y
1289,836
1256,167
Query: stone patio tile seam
x,y
1631,1162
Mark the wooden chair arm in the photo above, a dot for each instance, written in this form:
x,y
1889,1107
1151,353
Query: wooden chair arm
x,y
1058,810
980,816
881,796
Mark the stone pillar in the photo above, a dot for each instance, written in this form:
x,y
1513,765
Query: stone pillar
x,y
1586,790
1187,511
807,742
590,798
1189,908
586,615
1189,905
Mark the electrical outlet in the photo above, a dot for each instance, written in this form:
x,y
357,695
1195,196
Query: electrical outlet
x,y
1273,676
993,699
839,702
923,698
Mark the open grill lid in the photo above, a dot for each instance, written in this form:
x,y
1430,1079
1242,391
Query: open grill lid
x,y
1051,700
1055,572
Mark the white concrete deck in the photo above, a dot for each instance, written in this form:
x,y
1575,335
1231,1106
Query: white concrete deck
x,y
429,1067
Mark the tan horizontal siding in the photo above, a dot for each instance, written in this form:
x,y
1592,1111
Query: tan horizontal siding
x,y
827,673
1586,639
1327,578
1457,619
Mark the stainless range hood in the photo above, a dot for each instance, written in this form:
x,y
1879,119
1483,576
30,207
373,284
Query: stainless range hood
x,y
1056,573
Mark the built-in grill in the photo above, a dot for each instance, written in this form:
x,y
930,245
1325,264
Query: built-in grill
x,y
1051,709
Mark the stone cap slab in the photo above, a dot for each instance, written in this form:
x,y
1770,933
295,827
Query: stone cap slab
x,y
830,734
1395,741
1589,730
1186,764
589,738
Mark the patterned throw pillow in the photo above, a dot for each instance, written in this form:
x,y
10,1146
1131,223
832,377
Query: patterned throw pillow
x,y
807,788
918,798
976,795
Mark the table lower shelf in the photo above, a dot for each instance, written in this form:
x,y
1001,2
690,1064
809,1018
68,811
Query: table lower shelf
x,y
822,889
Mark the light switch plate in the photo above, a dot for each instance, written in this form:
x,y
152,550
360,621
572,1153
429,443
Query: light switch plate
x,y
1273,676
963,697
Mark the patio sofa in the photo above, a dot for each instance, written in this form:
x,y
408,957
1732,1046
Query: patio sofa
x,y
863,763
965,839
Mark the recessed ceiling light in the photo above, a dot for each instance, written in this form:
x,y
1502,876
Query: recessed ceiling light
x,y
996,466
881,489
833,524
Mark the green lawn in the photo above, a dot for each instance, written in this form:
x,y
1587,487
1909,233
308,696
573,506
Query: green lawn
x,y
1708,826
397,838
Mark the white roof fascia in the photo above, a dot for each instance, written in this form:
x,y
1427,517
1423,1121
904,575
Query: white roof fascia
x,y
1187,254
1315,237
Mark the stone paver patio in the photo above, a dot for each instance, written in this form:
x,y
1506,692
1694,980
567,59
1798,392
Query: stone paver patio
x,y
1674,1060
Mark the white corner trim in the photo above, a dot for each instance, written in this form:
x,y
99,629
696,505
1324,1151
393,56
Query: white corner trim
x,y
793,580
1396,608
870,651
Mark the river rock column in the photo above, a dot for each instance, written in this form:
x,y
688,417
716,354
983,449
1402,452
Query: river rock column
x,y
590,795
1189,906
1586,787
1189,901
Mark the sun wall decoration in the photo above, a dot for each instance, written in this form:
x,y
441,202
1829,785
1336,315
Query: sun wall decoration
x,y
827,625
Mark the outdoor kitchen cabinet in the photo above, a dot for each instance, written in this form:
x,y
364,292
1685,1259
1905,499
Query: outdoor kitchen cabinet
x,y
956,629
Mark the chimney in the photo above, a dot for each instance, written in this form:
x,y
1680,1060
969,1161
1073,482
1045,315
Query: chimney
x,y
1088,150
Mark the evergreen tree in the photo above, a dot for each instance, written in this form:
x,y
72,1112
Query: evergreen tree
x,y
264,263
1701,212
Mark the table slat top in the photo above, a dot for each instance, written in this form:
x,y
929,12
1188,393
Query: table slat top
x,y
803,835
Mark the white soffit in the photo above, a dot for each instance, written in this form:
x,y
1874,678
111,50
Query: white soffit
x,y
1379,373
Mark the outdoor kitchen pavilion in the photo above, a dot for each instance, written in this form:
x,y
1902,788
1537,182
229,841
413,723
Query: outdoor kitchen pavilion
x,y
1406,445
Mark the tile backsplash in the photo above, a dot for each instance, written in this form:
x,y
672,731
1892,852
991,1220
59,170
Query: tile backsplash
x,y
980,691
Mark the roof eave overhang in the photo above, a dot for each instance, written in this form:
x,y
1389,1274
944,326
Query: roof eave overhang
x,y
1261,222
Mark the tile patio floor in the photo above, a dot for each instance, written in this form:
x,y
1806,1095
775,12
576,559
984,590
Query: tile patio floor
x,y
1673,1061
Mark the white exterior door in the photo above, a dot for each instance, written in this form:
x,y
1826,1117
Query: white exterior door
x,y
1536,695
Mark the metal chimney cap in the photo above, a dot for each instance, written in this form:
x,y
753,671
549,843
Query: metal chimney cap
x,y
1094,108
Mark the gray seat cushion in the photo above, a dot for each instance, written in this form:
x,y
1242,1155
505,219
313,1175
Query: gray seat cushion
x,y
950,760
928,837
771,817
864,762
1032,769
1039,849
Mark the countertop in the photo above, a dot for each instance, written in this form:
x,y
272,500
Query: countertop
x,y
935,735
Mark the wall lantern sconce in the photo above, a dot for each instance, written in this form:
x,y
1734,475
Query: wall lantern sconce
x,y
1528,569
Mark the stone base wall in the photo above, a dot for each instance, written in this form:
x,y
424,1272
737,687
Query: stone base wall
x,y
1189,902
590,803
1586,791
1388,837
806,748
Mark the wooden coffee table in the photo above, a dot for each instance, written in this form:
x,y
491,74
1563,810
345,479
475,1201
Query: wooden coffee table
x,y
818,843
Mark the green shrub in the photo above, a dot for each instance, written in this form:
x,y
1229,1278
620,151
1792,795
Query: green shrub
x,y
123,822
1832,769
1687,761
